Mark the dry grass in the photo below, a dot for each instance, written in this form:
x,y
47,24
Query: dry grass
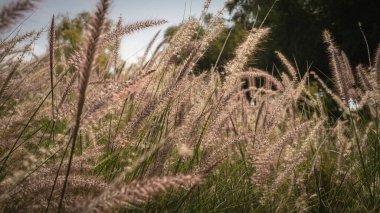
x,y
160,137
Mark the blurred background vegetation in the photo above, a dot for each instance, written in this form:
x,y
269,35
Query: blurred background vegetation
x,y
303,21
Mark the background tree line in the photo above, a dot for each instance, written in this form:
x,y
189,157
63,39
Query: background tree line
x,y
296,31
297,27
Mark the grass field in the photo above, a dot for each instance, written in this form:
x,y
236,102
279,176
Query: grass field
x,y
155,137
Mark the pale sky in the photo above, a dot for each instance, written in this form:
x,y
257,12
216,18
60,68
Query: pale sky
x,y
131,10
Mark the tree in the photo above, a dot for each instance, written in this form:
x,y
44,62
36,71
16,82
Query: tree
x,y
297,26
69,31
70,36
220,50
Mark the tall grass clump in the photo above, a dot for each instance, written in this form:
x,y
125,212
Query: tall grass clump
x,y
159,136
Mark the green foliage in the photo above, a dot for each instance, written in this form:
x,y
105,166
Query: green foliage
x,y
304,20
70,36
69,32
222,48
